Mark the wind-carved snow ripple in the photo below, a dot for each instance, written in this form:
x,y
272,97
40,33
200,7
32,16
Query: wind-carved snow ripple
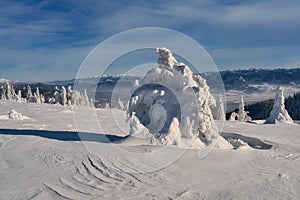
x,y
93,179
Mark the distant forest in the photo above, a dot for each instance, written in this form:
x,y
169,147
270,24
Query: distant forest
x,y
261,110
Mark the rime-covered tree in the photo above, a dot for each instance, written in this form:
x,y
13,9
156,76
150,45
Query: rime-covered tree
x,y
219,110
242,115
57,95
120,104
233,116
85,99
69,95
10,93
107,106
37,96
160,106
64,100
92,102
3,92
76,98
279,113
19,96
29,95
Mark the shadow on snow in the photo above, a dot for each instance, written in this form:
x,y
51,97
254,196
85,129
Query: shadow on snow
x,y
65,135
252,142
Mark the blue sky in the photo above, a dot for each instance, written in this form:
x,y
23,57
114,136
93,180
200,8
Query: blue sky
x,y
48,39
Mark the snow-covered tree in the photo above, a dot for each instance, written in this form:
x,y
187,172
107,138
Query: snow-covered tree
x,y
64,100
85,99
3,92
76,98
233,117
57,95
242,115
179,93
37,96
92,102
106,105
69,95
120,104
279,113
8,92
136,83
29,96
219,110
19,96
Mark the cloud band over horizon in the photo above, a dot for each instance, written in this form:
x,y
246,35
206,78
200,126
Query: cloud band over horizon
x,y
48,39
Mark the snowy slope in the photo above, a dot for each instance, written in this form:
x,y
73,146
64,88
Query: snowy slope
x,y
42,158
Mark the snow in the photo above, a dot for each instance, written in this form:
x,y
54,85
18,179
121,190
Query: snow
x,y
279,113
42,158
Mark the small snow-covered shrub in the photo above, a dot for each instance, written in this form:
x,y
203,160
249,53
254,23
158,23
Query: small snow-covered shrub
x,y
13,114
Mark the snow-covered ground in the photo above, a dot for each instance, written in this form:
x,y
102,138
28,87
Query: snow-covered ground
x,y
42,157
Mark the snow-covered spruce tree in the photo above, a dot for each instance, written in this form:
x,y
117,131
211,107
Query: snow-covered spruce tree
x,y
107,105
92,102
57,95
279,113
19,96
233,117
38,98
242,115
3,92
219,112
10,92
69,95
172,91
76,98
29,96
85,99
120,104
63,98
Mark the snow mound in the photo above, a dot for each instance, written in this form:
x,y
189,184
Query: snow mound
x,y
13,114
279,113
224,144
172,103
238,143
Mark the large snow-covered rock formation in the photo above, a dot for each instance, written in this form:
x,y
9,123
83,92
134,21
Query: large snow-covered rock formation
x,y
172,103
279,113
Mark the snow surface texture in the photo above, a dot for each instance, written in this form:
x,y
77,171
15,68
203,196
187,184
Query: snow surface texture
x,y
279,113
43,158
173,103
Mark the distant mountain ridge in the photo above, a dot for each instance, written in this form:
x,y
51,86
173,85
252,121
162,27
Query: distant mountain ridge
x,y
246,81
233,79
248,78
